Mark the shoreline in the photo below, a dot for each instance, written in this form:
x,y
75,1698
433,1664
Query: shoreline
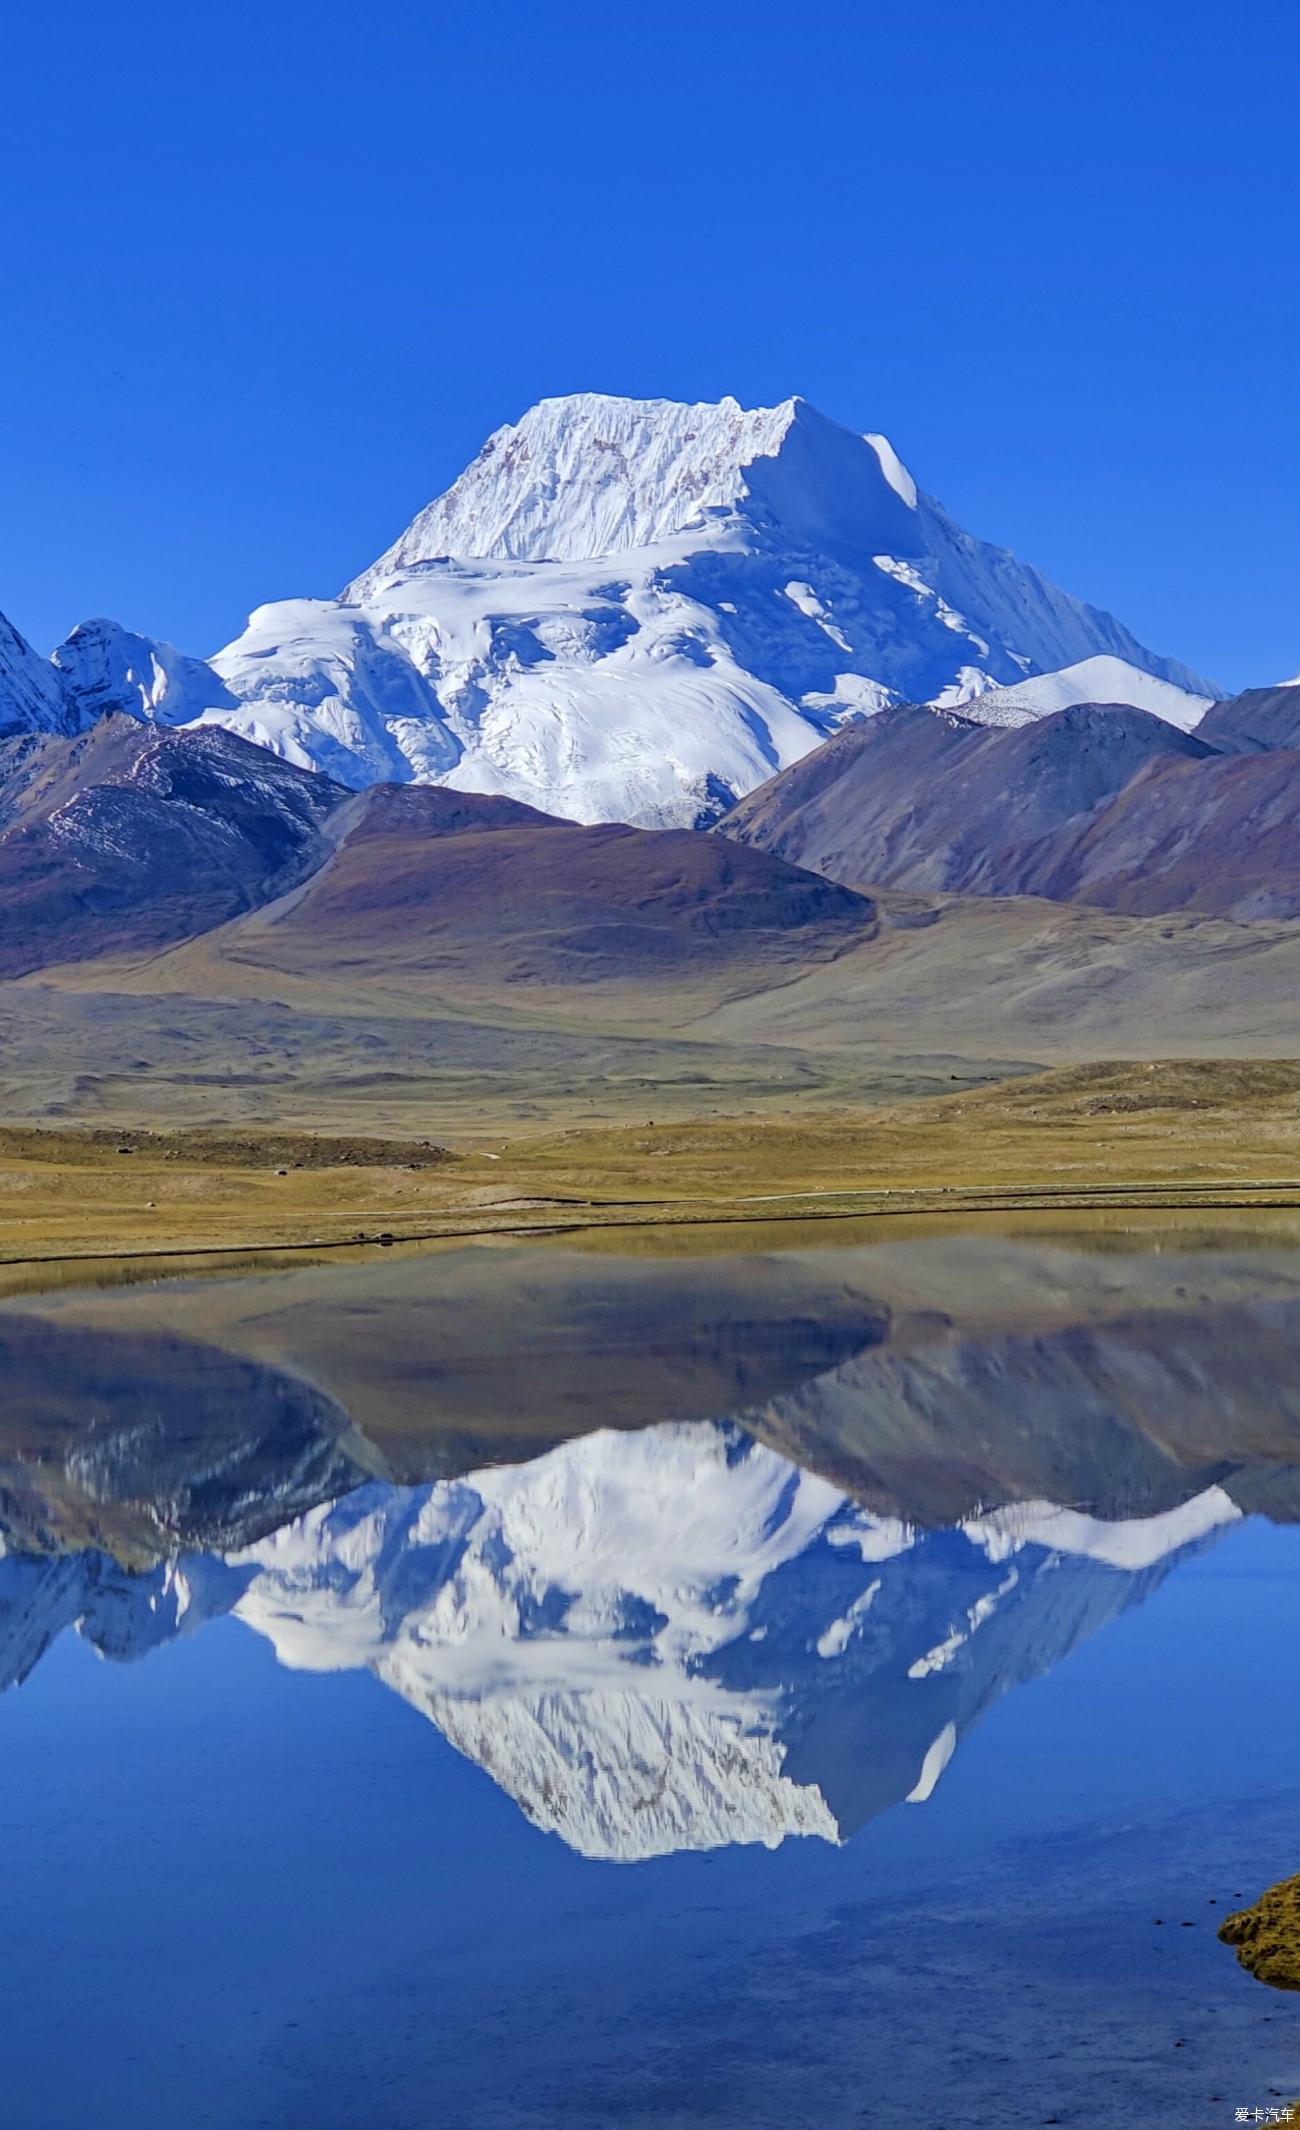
x,y
1157,1140
710,1228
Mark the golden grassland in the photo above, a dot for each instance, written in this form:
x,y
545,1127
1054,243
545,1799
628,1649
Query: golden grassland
x,y
1186,1133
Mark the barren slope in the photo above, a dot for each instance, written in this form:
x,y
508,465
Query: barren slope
x,y
131,837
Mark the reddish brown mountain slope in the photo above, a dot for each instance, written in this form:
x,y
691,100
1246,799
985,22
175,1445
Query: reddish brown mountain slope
x,y
1099,804
131,837
524,898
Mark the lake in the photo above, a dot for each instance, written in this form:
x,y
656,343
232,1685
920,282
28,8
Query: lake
x,y
812,1686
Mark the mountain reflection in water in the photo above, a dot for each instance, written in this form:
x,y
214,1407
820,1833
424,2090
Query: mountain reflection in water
x,y
669,1636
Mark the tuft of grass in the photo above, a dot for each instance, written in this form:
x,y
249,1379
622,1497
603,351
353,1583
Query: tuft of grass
x,y
1267,1935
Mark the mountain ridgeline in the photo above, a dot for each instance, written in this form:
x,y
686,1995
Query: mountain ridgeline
x,y
484,766
627,610
1100,804
126,838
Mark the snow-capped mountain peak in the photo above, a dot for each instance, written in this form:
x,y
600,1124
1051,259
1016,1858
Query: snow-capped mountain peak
x,y
633,610
1091,680
588,475
105,667
638,609
593,475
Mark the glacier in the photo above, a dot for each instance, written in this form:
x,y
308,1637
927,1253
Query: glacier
x,y
636,610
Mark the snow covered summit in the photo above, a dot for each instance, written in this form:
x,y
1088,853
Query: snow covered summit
x,y
638,610
592,475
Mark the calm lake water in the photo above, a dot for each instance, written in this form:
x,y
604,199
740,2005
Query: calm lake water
x,y
526,1689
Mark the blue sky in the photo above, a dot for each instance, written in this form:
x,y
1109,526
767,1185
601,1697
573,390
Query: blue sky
x,y
272,273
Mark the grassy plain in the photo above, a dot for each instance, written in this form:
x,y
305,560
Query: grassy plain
x,y
1185,1133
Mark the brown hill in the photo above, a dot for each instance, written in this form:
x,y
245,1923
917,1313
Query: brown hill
x,y
1220,835
1252,723
929,801
1098,804
434,882
130,837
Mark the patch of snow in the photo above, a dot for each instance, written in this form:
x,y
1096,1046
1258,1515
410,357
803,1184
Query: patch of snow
x,y
850,696
932,1767
943,1652
835,1639
1090,680
895,472
875,1538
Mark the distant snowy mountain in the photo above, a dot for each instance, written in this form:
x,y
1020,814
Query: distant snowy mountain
x,y
637,610
1092,680
103,667
654,1641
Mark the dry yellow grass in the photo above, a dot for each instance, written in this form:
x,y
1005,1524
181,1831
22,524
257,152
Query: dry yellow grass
x,y
1086,1125
1163,1134
1267,1935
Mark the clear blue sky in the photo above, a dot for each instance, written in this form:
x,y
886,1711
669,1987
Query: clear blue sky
x,y
272,272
